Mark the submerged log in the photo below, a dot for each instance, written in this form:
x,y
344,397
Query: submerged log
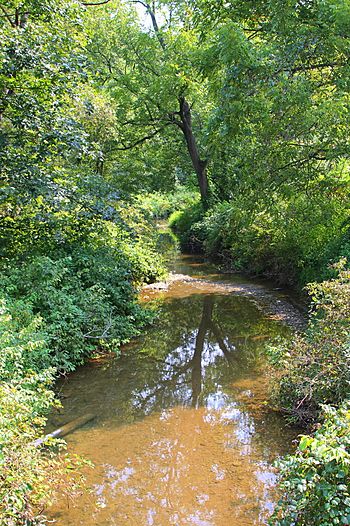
x,y
66,429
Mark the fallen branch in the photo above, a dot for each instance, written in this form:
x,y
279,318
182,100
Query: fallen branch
x,y
65,430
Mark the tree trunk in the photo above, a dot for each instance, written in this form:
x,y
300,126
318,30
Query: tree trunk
x,y
185,123
199,165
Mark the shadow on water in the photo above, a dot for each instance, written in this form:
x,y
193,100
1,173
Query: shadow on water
x,y
182,434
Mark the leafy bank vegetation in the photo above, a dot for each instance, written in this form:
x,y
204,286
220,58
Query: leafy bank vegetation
x,y
72,250
311,378
234,116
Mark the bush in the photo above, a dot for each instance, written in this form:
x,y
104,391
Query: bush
x,y
315,481
85,299
292,240
83,283
160,206
314,368
25,399
86,294
184,225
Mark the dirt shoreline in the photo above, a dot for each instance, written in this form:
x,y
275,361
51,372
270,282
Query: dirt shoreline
x,y
275,304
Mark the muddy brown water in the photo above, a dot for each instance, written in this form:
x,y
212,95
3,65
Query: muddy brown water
x,y
182,434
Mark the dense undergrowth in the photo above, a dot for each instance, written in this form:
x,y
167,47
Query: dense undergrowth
x,y
29,477
315,481
311,379
291,241
313,369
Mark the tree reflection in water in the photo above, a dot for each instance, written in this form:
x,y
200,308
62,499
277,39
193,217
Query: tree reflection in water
x,y
207,324
199,347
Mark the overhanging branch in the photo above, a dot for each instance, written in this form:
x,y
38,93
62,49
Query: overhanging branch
x,y
96,3
140,141
310,67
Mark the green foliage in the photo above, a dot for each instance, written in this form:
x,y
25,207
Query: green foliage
x,y
72,254
82,282
315,480
292,241
184,223
279,74
24,480
85,299
92,135
22,340
28,477
314,369
41,62
25,398
162,205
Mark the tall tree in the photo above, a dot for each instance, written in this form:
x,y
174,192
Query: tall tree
x,y
45,153
150,74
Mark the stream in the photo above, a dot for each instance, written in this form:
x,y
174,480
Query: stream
x,y
183,434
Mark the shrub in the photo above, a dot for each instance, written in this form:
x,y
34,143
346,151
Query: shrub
x,y
25,399
85,299
291,240
184,225
160,206
315,481
314,368
83,284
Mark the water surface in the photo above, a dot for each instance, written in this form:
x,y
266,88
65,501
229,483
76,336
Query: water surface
x,y
182,434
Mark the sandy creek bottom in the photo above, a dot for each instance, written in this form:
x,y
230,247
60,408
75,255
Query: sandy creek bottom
x,y
182,434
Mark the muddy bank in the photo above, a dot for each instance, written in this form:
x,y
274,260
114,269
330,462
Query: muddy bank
x,y
275,303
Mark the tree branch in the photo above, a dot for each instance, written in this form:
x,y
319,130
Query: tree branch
x,y
96,3
141,63
154,21
7,16
146,6
310,67
311,157
140,141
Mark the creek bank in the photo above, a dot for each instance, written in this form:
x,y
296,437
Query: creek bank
x,y
275,303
